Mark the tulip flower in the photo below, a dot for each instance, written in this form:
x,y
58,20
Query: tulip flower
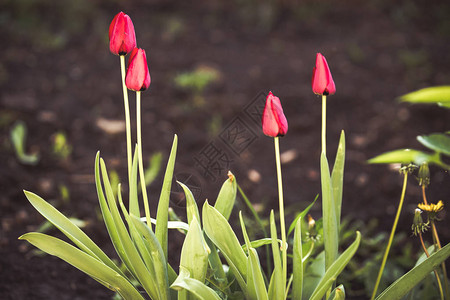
x,y
322,82
138,76
122,38
274,122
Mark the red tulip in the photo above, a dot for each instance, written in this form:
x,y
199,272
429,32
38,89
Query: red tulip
x,y
138,76
274,122
122,38
322,82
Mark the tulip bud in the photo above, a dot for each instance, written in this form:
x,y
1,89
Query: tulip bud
x,y
138,76
122,38
322,82
274,122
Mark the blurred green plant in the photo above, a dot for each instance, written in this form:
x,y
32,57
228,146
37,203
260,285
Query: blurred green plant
x,y
61,147
437,143
196,81
18,136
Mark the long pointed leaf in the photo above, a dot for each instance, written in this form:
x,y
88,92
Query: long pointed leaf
x,y
134,259
73,232
258,278
405,283
221,234
191,205
162,216
337,178
330,231
83,262
301,215
159,261
335,269
297,283
278,285
227,196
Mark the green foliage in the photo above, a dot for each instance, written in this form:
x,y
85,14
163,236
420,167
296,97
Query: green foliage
x,y
198,79
61,147
18,136
438,143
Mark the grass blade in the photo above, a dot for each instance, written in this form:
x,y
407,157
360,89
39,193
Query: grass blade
x,y
162,216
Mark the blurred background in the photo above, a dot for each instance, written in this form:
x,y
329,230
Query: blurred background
x,y
212,63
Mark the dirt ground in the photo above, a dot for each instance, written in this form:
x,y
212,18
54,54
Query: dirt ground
x,y
57,75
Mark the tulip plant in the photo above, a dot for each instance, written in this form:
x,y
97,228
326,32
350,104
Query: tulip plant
x,y
214,263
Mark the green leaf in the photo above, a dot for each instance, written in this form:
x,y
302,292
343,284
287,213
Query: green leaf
x,y
227,196
276,282
194,254
338,293
18,136
257,276
401,156
261,242
159,261
162,216
337,177
438,94
108,219
221,234
84,262
438,142
335,269
301,215
330,230
191,204
73,232
196,287
408,281
297,284
132,257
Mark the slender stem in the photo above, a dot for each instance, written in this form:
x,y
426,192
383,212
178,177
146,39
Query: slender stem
x,y
435,272
127,116
141,163
424,195
391,237
324,124
438,244
281,204
444,269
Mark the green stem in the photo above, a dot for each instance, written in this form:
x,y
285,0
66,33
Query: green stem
x,y
127,116
281,204
435,272
437,242
141,163
324,124
444,269
391,237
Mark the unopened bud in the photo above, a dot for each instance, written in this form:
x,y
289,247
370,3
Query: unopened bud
x,y
418,225
424,175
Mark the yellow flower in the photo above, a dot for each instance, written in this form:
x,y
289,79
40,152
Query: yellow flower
x,y
432,207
